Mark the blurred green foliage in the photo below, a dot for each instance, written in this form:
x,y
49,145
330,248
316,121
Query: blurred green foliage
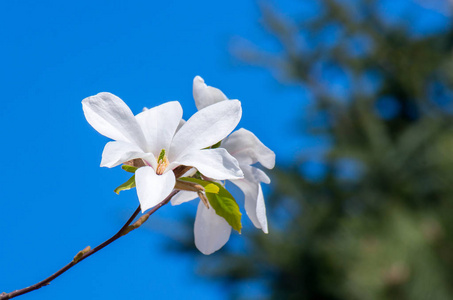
x,y
377,224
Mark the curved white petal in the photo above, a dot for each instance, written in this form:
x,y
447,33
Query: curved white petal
x,y
261,210
248,149
152,188
182,122
111,117
159,125
118,152
211,231
206,128
205,95
255,174
150,160
254,202
253,195
213,163
182,197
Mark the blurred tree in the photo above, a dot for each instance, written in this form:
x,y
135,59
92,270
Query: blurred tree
x,y
377,224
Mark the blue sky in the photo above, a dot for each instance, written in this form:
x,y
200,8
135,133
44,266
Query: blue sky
x,y
55,198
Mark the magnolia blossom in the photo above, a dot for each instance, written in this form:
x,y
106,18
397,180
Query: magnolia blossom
x,y
211,231
156,137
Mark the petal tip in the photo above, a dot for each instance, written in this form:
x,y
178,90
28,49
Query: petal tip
x,y
143,209
270,162
198,79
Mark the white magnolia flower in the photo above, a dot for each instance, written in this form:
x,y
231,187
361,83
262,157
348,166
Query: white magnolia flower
x,y
152,135
212,231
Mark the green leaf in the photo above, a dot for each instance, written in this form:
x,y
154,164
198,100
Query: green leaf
x,y
211,188
126,186
129,169
226,207
222,202
217,145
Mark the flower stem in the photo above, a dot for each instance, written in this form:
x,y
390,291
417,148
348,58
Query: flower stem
x,y
127,227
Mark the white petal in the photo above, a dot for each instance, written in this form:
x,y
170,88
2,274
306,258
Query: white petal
x,y
182,122
213,163
206,128
182,197
253,195
211,231
150,160
254,202
255,174
248,149
111,117
115,153
159,125
261,210
152,188
205,95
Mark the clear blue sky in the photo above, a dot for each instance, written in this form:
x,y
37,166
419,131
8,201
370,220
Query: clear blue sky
x,y
55,199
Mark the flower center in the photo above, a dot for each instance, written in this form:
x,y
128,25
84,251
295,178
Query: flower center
x,y
162,163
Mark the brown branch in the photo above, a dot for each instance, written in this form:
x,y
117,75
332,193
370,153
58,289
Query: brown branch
x,y
88,251
181,170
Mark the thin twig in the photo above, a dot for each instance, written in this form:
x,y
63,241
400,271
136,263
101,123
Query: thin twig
x,y
88,252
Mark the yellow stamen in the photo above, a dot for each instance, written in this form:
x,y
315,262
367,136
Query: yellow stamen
x,y
162,163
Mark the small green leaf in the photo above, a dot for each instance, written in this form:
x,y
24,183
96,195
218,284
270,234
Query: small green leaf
x,y
129,169
211,188
217,145
226,207
126,186
222,202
